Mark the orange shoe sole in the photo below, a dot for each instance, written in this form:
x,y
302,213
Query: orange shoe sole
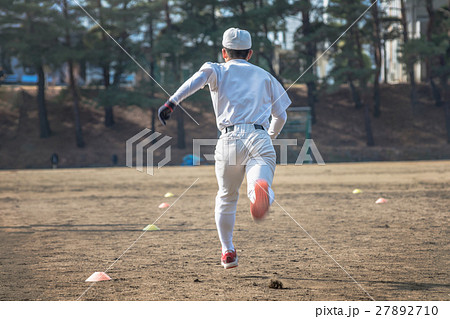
x,y
259,208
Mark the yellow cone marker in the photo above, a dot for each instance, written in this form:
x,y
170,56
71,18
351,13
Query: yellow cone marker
x,y
151,227
357,191
169,195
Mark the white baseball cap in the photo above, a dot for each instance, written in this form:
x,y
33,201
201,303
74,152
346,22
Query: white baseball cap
x,y
237,39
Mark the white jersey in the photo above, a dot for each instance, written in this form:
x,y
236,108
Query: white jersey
x,y
242,93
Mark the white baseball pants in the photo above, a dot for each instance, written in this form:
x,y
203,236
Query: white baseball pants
x,y
244,151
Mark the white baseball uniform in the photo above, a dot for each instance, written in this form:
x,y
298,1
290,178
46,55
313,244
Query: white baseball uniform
x,y
243,95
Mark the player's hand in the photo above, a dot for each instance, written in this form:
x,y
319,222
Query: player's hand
x,y
165,111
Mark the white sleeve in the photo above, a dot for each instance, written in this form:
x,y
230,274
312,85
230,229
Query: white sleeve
x,y
276,125
280,99
205,75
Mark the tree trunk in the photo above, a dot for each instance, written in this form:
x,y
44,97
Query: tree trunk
x,y
311,86
72,85
446,105
368,126
19,102
106,73
43,120
434,88
355,94
76,108
362,80
436,93
118,72
377,58
167,17
151,58
376,99
445,89
120,69
385,62
409,64
413,94
181,143
447,119
82,64
215,47
310,55
152,70
105,66
153,118
109,114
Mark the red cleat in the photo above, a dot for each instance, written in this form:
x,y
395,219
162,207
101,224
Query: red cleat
x,y
229,259
259,208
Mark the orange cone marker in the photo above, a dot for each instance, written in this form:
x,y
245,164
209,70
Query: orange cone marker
x,y
381,200
98,276
164,205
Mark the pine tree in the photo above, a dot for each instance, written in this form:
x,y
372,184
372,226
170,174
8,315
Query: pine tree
x,y
408,59
351,65
121,19
71,51
308,37
377,48
33,33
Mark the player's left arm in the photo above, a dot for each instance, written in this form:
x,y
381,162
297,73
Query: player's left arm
x,y
202,77
280,102
277,124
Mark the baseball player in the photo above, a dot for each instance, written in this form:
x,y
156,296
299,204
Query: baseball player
x,y
244,96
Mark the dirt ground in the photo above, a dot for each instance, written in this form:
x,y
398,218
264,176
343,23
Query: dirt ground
x,y
60,226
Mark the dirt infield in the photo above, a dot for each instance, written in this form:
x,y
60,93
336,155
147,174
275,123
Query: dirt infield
x,y
59,226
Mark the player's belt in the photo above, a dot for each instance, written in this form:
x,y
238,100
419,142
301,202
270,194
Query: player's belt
x,y
231,128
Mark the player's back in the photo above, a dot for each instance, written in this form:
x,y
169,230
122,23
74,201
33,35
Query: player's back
x,y
242,93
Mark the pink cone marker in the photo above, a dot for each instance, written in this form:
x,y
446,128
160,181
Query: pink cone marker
x,y
98,276
381,200
164,205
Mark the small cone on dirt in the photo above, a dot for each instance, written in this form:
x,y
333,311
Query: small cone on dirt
x,y
164,205
151,227
169,194
357,191
381,200
98,276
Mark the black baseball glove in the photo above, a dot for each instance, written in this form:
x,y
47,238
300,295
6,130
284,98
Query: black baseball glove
x,y
165,111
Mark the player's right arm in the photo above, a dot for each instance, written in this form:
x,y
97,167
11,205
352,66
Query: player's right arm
x,y
205,75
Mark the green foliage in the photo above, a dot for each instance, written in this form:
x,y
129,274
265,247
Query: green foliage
x,y
28,28
349,60
436,50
